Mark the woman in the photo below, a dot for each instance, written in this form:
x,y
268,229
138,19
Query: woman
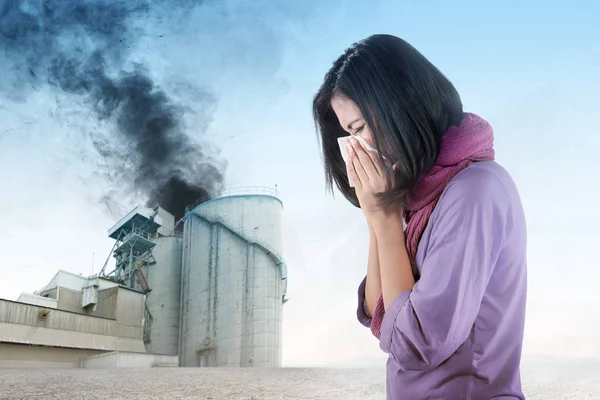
x,y
445,287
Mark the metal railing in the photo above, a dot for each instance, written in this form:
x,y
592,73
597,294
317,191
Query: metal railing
x,y
244,190
144,234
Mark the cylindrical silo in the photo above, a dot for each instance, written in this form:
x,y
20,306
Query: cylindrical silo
x,y
164,279
233,281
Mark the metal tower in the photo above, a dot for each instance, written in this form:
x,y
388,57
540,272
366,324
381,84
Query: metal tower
x,y
135,236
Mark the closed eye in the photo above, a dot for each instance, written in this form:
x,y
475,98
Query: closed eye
x,y
359,129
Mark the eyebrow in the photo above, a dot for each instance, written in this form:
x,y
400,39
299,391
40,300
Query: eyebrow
x,y
353,122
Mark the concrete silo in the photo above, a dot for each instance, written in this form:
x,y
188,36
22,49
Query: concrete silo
x,y
233,281
164,279
163,273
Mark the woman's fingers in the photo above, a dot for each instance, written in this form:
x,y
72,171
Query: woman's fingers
x,y
368,160
352,175
352,178
361,174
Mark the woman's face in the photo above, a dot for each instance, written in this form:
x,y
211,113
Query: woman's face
x,y
351,118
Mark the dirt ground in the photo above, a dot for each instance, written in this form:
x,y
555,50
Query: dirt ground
x,y
249,384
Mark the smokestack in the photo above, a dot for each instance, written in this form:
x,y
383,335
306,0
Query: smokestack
x,y
81,47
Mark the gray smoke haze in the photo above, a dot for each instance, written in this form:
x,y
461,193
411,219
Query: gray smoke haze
x,y
81,47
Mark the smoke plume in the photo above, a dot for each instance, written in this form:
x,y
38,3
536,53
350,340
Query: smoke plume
x,y
82,48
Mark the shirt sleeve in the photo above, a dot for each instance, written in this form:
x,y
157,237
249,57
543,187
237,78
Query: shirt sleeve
x,y
423,327
361,312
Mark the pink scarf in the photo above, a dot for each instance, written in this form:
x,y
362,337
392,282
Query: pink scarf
x,y
471,141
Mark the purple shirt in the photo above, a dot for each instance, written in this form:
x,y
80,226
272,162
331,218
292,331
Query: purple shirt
x,y
458,333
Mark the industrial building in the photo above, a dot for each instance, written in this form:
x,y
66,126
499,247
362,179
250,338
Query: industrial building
x,y
70,319
206,291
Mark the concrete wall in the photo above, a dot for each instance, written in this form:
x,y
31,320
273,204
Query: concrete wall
x,y
130,308
26,324
51,293
164,278
48,302
124,305
70,300
107,303
69,280
25,356
256,217
118,303
128,360
166,220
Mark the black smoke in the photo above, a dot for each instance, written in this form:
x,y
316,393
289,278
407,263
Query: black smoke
x,y
82,48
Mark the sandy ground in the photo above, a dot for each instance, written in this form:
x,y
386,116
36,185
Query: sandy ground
x,y
250,384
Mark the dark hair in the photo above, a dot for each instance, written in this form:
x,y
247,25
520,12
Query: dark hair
x,y
406,102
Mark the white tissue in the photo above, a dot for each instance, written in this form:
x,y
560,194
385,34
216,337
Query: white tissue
x,y
343,143
345,140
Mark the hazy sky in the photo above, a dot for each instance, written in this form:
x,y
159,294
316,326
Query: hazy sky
x,y
532,70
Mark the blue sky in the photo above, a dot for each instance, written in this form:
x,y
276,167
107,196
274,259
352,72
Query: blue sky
x,y
532,70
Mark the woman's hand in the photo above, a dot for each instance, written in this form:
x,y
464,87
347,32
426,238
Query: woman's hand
x,y
368,178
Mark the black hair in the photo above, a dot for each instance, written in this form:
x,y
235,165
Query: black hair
x,y
407,103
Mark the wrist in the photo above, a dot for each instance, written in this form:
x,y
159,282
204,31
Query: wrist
x,y
382,219
370,226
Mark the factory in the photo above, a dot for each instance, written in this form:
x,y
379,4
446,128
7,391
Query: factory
x,y
205,291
